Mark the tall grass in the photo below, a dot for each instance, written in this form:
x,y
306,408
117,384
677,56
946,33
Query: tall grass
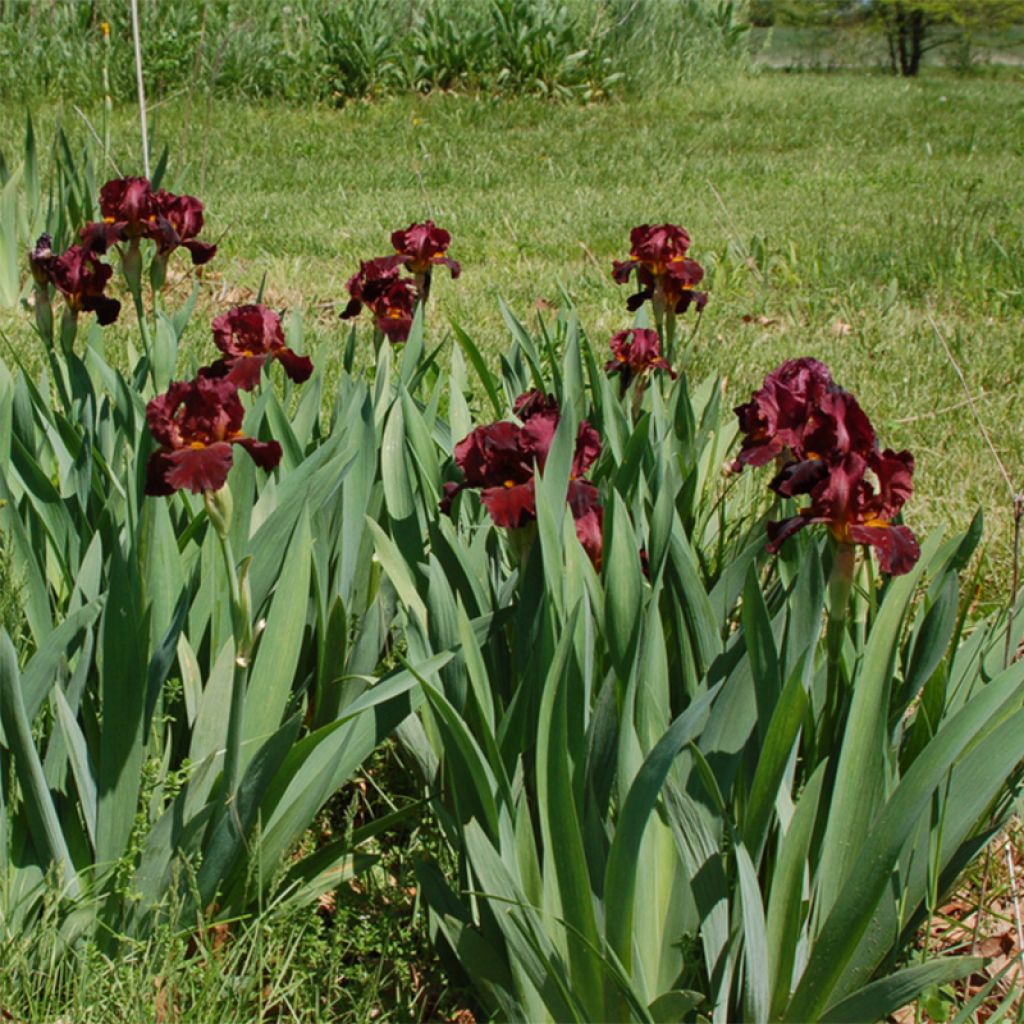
x,y
315,50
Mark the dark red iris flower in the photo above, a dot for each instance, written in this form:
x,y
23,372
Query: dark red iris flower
x,y
128,210
390,297
801,414
421,247
196,423
393,311
664,272
827,450
132,210
500,458
636,353
78,275
858,510
129,203
250,336
179,221
40,260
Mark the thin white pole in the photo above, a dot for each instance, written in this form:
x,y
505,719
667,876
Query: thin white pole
x,y
140,85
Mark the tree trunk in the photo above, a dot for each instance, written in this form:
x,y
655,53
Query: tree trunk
x,y
905,30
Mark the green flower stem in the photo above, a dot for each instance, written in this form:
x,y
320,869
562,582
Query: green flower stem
x,y
423,287
131,264
669,339
218,508
68,331
840,585
378,340
658,308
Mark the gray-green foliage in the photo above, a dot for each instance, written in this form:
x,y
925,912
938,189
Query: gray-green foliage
x,y
666,796
117,673
668,801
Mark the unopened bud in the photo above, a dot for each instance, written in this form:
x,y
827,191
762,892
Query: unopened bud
x,y
244,590
219,508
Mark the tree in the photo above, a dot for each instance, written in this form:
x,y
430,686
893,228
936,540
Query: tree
x,y
910,25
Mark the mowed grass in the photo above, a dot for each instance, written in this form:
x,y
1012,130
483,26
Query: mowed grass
x,y
838,216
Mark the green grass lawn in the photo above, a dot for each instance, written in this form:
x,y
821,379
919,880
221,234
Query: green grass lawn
x,y
833,213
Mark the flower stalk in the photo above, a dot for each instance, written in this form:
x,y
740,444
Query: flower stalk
x,y
840,585
218,509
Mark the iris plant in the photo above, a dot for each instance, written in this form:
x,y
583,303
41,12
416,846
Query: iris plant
x,y
666,275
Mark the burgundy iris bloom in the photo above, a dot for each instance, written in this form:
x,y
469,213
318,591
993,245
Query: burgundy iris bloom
x,y
250,336
129,202
636,353
393,311
500,459
390,297
827,450
129,211
421,247
859,510
664,272
132,210
179,221
196,423
800,413
40,260
371,281
79,276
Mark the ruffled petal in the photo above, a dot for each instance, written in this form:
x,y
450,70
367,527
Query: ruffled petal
x,y
511,507
199,469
